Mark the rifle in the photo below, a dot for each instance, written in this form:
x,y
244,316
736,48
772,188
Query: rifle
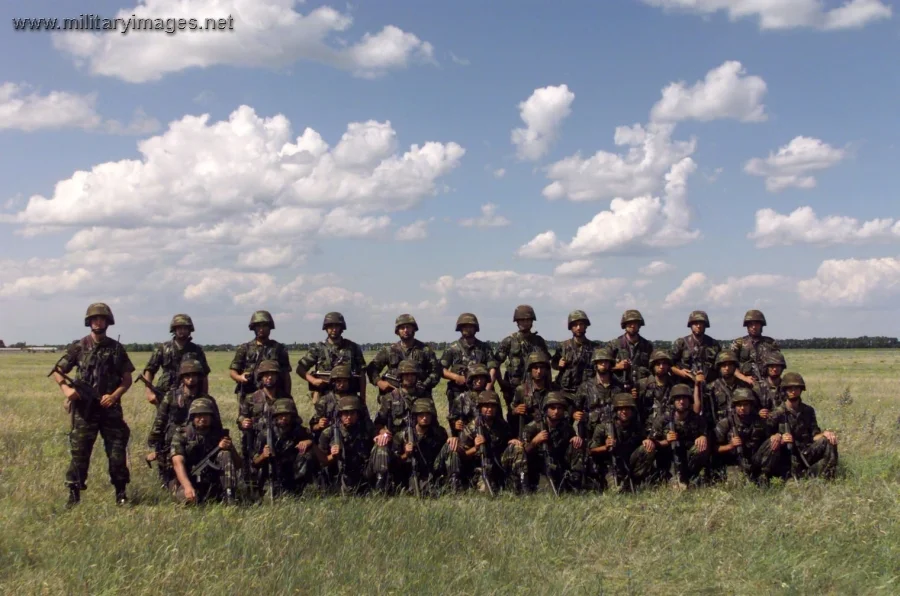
x,y
611,431
338,439
156,391
482,451
739,450
84,389
248,438
411,429
676,453
785,427
549,465
393,380
208,462
271,443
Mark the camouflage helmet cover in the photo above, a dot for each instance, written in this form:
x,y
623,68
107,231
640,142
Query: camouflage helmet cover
x,y
423,406
524,311
624,400
99,309
775,358
341,371
467,318
181,320
349,403
631,315
407,367
658,355
201,406
405,319
268,366
556,398
681,390
537,359
334,318
284,406
754,316
726,356
477,370
488,398
699,316
743,395
189,367
578,315
792,379
261,316
602,353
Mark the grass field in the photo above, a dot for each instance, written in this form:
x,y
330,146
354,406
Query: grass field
x,y
800,538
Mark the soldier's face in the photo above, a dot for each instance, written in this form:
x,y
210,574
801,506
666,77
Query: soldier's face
x,y
743,409
488,411
409,379
662,367
262,330
341,384
479,383
754,328
793,393
682,403
283,420
602,366
538,372
191,380
423,419
349,418
727,369
467,330
406,331
98,324
632,327
524,324
269,379
624,414
202,421
698,328
555,412
333,331
182,331
774,370
579,328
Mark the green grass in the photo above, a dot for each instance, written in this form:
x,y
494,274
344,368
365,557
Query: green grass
x,y
841,537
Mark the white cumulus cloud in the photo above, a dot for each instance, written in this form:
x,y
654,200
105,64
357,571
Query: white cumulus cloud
x,y
853,283
418,230
726,92
488,219
688,289
542,113
573,268
792,164
803,226
656,268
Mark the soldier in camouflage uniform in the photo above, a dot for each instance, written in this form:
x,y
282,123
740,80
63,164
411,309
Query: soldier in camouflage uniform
x,y
682,437
192,444
723,388
812,451
748,441
528,402
169,356
248,357
513,350
593,402
632,351
464,353
408,348
482,446
347,460
694,355
770,390
753,348
104,365
549,447
655,391
292,457
327,406
322,357
431,442
573,356
624,444
463,410
172,414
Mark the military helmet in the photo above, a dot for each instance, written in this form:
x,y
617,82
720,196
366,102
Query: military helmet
x,y
726,356
180,320
698,316
624,400
743,395
189,367
477,370
99,309
658,355
341,371
284,406
261,316
630,316
524,311
578,315
201,406
773,358
467,318
792,379
423,405
536,359
556,398
349,403
754,316
334,318
488,398
267,366
602,353
681,390
405,319
407,367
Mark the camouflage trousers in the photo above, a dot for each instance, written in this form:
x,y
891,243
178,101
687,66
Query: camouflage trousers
x,y
822,458
691,461
764,463
213,485
110,423
567,473
292,474
634,468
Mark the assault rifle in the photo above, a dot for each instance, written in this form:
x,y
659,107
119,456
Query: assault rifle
x,y
739,450
411,430
248,440
271,443
209,463
785,428
549,465
482,451
85,390
156,390
338,439
676,453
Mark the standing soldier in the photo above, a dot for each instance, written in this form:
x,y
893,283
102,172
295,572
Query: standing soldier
x,y
169,356
573,356
94,402
463,408
770,390
694,356
322,357
813,451
515,349
248,357
753,348
632,351
408,348
682,435
464,353
746,440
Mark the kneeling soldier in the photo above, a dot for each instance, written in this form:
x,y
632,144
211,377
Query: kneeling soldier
x,y
682,435
746,440
552,449
344,449
482,445
204,458
631,453
462,410
418,449
813,451
289,463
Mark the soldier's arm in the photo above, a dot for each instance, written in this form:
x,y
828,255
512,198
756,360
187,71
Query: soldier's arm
x,y
373,370
436,371
238,363
501,356
447,360
204,383
160,422
153,365
177,457
65,364
721,434
598,440
125,369
284,362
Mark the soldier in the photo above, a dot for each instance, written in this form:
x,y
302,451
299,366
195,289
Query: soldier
x,y
408,348
290,462
344,451
694,355
327,406
169,356
528,403
204,458
551,448
464,353
813,452
746,440
722,389
625,443
632,352
482,446
248,357
463,410
172,414
593,402
322,357
770,390
753,348
682,436
514,349
105,370
573,356
424,456
655,391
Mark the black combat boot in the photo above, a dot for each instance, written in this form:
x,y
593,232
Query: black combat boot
x,y
121,497
74,497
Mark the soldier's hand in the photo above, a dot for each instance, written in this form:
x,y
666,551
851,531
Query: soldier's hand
x,y
460,379
700,377
764,413
70,393
384,385
775,441
383,439
578,416
610,442
107,400
303,446
190,495
459,425
151,397
788,438
649,445
225,443
521,409
317,382
335,450
577,442
266,453
736,441
634,392
515,442
671,436
540,437
408,448
831,437
701,444
479,440
246,423
322,423
453,444
245,377
151,456
562,363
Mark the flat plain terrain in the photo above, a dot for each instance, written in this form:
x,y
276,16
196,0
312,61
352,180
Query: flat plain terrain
x,y
841,537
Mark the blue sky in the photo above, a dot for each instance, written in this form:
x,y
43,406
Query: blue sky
x,y
741,225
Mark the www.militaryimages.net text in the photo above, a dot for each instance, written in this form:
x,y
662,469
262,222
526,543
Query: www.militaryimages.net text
x,y
94,22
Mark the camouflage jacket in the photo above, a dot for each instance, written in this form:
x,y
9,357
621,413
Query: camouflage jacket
x,y
393,411
172,414
357,442
326,408
463,408
285,443
579,367
101,365
687,350
771,395
803,425
254,407
596,399
533,398
515,348
557,444
458,357
168,357
722,392
429,445
324,356
753,431
751,353
430,371
248,357
497,437
654,397
688,430
628,436
638,353
193,446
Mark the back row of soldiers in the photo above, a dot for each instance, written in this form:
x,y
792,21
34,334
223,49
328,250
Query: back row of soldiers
x,y
619,408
